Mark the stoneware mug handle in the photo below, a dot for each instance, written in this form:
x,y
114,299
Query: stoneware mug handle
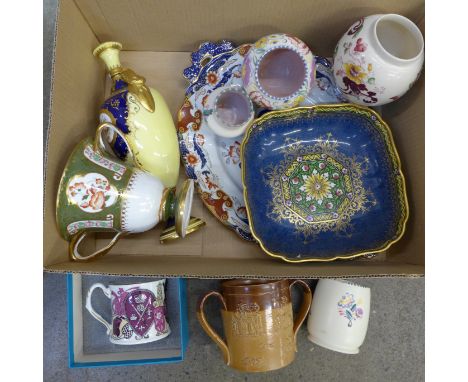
x,y
99,145
207,327
90,309
306,302
77,239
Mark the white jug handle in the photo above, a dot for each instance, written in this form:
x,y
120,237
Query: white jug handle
x,y
97,316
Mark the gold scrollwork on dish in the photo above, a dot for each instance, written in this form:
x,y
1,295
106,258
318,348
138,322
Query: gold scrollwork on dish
x,y
382,128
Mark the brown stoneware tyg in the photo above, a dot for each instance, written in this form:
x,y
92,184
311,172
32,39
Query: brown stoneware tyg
x,y
258,323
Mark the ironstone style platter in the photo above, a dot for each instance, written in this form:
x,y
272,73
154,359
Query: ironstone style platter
x,y
323,183
212,161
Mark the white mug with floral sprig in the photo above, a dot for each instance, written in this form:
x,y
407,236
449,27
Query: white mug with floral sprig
x,y
339,315
378,59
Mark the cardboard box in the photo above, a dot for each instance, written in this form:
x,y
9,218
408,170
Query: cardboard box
x,y
88,343
158,38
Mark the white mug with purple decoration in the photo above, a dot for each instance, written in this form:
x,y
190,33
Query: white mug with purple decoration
x,y
339,315
138,312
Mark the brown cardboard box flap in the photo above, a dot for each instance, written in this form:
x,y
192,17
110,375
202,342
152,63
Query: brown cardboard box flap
x,y
158,37
260,267
180,25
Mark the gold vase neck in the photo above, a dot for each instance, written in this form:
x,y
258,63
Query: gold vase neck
x,y
116,73
109,53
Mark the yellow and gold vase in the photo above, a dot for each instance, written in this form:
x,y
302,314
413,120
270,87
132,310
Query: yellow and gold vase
x,y
140,113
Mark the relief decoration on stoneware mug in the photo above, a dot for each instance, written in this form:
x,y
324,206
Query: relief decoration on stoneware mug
x,y
258,323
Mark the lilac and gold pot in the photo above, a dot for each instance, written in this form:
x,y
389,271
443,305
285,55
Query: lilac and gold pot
x,y
278,71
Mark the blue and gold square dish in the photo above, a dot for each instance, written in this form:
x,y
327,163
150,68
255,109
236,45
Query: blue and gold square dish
x,y
323,183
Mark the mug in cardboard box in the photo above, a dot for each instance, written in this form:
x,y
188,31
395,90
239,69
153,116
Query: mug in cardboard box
x,y
100,194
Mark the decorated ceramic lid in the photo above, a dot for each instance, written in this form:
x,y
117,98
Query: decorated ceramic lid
x,y
278,71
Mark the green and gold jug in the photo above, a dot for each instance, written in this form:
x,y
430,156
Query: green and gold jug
x,y
99,193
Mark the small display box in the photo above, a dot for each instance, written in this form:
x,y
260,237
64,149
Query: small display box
x,y
89,344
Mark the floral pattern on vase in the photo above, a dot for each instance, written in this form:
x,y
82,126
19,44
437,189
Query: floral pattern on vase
x,y
349,308
91,192
356,73
370,66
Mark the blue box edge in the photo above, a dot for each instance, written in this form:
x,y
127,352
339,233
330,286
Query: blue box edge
x,y
184,333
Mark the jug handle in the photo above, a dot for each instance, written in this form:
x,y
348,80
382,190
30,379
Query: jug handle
x,y
79,236
304,309
207,327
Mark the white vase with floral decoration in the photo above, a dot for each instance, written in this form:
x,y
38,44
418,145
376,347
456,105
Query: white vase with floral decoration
x,y
378,59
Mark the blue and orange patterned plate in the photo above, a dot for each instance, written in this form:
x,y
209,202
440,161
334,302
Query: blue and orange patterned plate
x,y
323,183
212,161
